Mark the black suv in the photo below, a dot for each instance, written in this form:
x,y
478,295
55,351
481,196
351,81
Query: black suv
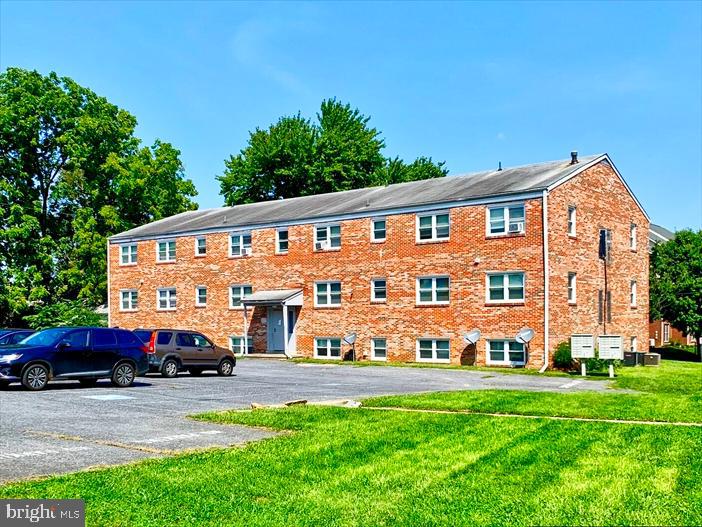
x,y
82,354
174,350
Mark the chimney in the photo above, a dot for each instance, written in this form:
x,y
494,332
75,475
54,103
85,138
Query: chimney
x,y
574,157
499,166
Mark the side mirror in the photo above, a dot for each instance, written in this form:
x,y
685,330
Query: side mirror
x,y
64,344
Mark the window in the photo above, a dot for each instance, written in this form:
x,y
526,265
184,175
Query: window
x,y
185,339
200,246
605,244
666,332
634,344
166,299
433,350
379,290
104,337
433,290
327,237
236,344
166,251
281,241
78,339
327,348
433,227
240,244
507,219
127,338
571,220
128,254
163,338
505,352
129,300
237,293
201,296
201,341
571,288
505,287
632,236
378,230
379,349
327,294
632,296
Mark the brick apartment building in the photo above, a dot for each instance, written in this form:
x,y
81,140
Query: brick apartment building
x,y
409,268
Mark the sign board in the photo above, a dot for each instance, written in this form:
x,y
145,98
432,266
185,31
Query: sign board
x,y
582,346
610,347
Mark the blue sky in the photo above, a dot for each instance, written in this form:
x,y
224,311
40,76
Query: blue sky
x,y
468,83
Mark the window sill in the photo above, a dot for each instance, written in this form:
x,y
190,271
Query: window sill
x,y
429,242
324,357
572,304
282,253
162,262
506,364
515,303
432,304
236,308
333,250
165,310
237,256
573,236
129,310
128,264
505,235
200,255
200,306
379,241
435,361
379,359
327,307
378,301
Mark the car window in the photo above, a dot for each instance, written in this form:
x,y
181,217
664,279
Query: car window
x,y
17,337
184,339
127,338
144,334
47,337
104,337
78,339
5,339
201,341
164,337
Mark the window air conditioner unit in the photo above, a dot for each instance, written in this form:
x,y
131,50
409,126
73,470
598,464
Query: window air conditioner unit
x,y
322,246
246,251
516,227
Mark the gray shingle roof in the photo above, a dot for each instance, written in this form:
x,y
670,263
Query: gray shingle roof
x,y
367,201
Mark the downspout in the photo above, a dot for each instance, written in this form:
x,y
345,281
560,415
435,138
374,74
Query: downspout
x,y
109,311
544,210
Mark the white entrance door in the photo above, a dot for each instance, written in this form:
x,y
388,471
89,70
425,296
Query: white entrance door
x,y
276,332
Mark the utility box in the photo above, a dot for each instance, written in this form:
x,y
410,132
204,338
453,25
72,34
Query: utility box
x,y
633,358
652,359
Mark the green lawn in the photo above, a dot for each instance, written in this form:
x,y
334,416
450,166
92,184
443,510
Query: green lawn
x,y
353,467
671,392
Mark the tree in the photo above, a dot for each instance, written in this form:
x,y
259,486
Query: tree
x,y
72,173
676,283
296,157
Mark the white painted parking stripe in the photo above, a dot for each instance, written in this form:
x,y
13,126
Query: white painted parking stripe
x,y
46,452
107,397
176,437
570,384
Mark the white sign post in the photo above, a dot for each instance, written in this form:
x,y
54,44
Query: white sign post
x,y
582,347
610,348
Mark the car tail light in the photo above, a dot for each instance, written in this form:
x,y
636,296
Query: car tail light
x,y
152,344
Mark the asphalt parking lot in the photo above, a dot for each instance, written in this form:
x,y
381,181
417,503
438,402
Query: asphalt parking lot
x,y
67,428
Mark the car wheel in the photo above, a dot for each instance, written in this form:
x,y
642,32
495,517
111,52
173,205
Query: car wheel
x,y
169,368
36,377
123,375
88,383
195,372
226,368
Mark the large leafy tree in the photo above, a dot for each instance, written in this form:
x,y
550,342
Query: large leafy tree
x,y
297,157
676,282
71,173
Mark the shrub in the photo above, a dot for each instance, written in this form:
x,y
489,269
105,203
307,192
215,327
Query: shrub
x,y
562,357
66,313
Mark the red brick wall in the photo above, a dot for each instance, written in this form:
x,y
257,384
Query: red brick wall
x,y
400,259
602,201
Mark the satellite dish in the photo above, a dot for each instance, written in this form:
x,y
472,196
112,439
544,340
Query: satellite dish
x,y
472,336
350,338
524,335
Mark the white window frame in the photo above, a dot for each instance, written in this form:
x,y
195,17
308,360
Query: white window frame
x,y
327,228
434,291
242,246
633,230
572,288
374,298
572,221
632,294
505,287
241,296
278,250
328,348
433,358
132,254
633,343
133,300
666,332
169,298
374,347
197,246
434,237
328,293
506,219
506,361
246,347
168,251
372,230
197,296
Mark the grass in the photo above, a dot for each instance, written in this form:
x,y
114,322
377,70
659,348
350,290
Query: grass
x,y
363,467
671,392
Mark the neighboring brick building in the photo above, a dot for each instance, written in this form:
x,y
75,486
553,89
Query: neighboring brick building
x,y
409,268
